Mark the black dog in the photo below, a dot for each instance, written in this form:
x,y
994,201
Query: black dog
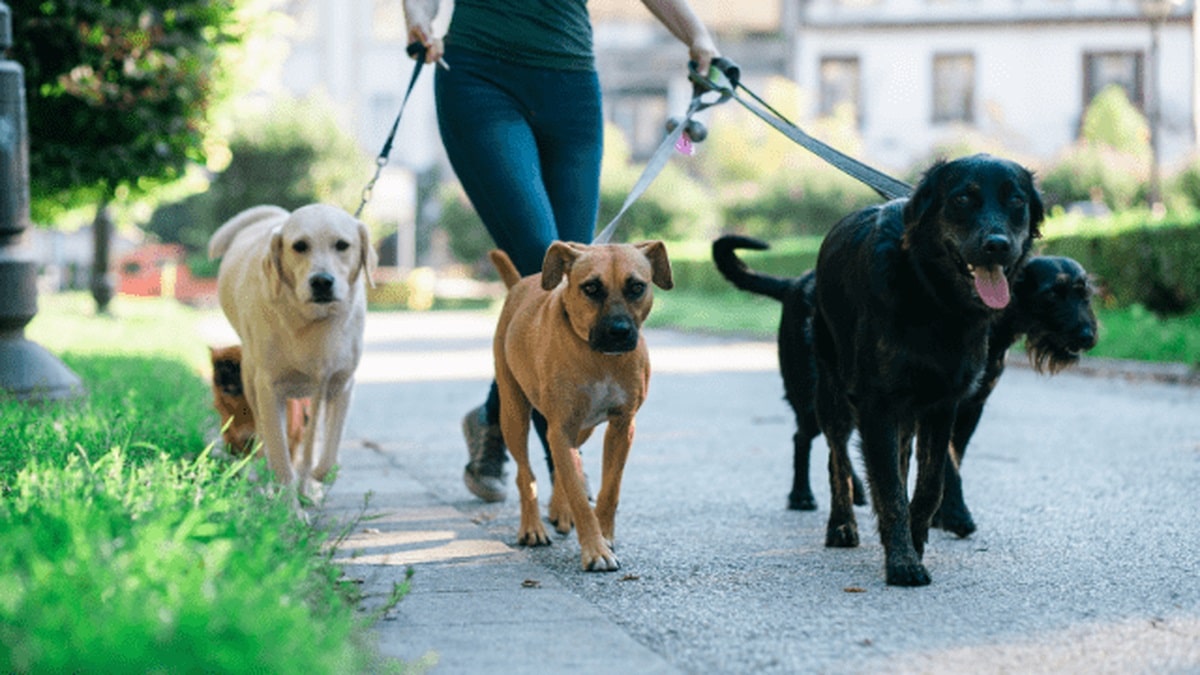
x,y
1052,307
795,356
1051,304
905,295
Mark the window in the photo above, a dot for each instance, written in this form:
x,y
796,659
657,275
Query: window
x,y
839,85
953,88
1101,69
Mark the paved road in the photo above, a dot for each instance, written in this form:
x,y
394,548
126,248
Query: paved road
x,y
1087,557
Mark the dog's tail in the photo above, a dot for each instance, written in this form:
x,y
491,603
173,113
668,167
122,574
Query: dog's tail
x,y
506,268
219,243
733,269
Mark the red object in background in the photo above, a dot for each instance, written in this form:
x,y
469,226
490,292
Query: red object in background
x,y
155,270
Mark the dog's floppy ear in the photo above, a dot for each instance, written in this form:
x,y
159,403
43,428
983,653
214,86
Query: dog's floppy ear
x,y
1037,211
926,196
273,263
559,258
368,259
656,253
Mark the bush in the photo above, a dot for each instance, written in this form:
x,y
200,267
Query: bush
x,y
1097,173
1110,163
768,186
292,154
674,206
1136,261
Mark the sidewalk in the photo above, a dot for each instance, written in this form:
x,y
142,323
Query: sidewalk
x,y
477,603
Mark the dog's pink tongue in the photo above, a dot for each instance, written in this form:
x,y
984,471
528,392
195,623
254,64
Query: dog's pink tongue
x,y
992,286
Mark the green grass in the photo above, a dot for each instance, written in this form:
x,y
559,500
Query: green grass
x,y
1128,333
126,547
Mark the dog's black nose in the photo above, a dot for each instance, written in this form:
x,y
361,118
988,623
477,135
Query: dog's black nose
x,y
1085,338
321,284
615,335
997,246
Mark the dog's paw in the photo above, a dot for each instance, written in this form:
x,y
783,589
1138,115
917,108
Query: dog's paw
x,y
960,523
842,536
601,560
534,536
559,515
802,502
312,492
907,574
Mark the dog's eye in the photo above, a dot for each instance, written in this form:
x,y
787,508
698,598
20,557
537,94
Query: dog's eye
x,y
962,200
300,247
1016,202
342,245
635,289
592,289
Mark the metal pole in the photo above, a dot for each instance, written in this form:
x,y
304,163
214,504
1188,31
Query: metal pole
x,y
27,371
1155,192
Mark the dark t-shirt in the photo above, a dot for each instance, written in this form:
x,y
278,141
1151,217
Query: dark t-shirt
x,y
542,33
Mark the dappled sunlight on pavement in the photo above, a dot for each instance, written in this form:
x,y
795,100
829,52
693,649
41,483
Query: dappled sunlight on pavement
x,y
444,346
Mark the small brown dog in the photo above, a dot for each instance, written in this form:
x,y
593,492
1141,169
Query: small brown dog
x,y
573,351
230,401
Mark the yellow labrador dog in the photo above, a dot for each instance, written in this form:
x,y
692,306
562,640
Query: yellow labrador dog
x,y
293,287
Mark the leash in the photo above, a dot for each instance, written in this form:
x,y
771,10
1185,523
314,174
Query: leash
x,y
700,88
885,185
417,51
725,86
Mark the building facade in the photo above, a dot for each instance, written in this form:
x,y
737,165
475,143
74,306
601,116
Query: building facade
x,y
917,72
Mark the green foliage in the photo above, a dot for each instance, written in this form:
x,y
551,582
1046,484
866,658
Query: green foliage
x,y
1138,334
693,269
118,92
469,239
124,545
290,154
766,185
1110,163
675,206
1111,120
1151,266
1098,173
1183,189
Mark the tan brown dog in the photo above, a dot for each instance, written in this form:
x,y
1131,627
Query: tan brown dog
x,y
237,420
573,351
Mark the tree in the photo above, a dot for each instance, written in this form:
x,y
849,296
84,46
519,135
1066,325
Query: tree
x,y
118,94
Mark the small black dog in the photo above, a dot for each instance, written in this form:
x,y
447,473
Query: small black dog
x,y
905,296
1051,304
1052,307
796,363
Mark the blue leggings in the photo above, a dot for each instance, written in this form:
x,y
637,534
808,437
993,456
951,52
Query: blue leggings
x,y
526,145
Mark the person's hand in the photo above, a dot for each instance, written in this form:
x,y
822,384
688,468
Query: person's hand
x,y
421,32
703,51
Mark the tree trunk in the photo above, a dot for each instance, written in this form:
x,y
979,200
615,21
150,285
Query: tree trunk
x,y
102,282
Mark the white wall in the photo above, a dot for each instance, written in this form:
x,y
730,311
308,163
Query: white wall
x,y
1029,73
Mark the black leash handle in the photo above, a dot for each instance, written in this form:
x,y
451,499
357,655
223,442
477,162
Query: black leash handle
x,y
417,51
